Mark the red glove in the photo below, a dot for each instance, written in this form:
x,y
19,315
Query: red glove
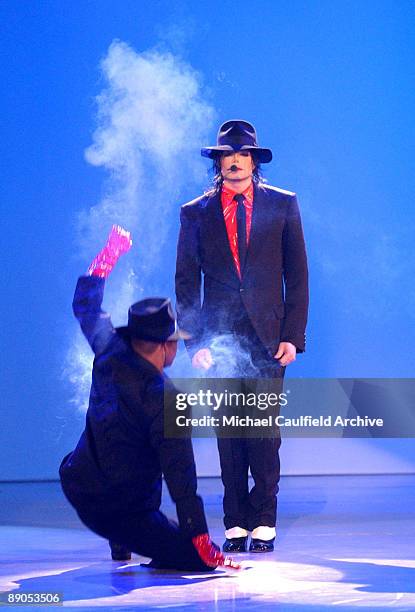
x,y
119,242
209,553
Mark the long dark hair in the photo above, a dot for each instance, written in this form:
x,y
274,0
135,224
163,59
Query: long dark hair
x,y
217,178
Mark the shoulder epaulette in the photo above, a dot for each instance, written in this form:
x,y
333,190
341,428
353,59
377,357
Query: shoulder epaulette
x,y
277,189
207,194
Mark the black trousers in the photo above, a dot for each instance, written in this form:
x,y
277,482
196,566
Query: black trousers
x,y
243,507
150,534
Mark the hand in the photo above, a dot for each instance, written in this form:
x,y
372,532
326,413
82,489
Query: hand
x,y
210,554
118,242
202,360
286,353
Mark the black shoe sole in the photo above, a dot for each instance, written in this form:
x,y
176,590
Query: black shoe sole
x,y
267,550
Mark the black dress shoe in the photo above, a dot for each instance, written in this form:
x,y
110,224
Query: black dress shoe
x,y
119,552
235,545
260,546
154,564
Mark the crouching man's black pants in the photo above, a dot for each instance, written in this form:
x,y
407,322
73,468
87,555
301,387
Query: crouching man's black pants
x,y
150,534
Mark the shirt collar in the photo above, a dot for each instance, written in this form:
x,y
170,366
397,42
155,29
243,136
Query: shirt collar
x,y
229,194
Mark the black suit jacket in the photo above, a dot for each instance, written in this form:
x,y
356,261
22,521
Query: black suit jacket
x,y
120,457
274,285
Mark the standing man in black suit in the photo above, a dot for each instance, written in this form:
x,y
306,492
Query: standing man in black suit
x,y
113,478
244,239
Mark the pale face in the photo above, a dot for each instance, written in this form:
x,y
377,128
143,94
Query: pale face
x,y
243,162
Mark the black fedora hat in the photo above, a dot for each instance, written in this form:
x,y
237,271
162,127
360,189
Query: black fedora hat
x,y
152,319
237,135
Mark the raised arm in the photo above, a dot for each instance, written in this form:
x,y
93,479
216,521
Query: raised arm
x,y
96,323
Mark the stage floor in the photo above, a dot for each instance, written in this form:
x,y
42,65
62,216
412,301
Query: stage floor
x,y
344,542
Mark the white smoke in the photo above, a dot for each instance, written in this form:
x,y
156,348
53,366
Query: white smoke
x,y
152,120
230,359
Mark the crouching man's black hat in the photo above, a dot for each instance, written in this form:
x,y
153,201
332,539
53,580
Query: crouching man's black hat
x,y
152,319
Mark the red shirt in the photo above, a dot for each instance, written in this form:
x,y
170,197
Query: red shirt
x,y
229,212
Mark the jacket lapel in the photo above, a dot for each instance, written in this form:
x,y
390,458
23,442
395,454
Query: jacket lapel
x,y
216,228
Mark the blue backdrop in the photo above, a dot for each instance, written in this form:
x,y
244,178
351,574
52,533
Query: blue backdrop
x,y
330,88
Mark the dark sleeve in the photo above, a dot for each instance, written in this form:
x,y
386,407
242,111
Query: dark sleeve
x,y
178,467
95,323
188,277
295,278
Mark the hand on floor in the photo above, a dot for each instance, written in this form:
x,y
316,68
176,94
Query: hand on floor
x,y
210,553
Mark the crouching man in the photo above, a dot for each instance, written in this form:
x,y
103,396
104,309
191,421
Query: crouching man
x,y
113,478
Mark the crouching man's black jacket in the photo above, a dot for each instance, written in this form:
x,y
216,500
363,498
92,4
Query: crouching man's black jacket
x,y
118,463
